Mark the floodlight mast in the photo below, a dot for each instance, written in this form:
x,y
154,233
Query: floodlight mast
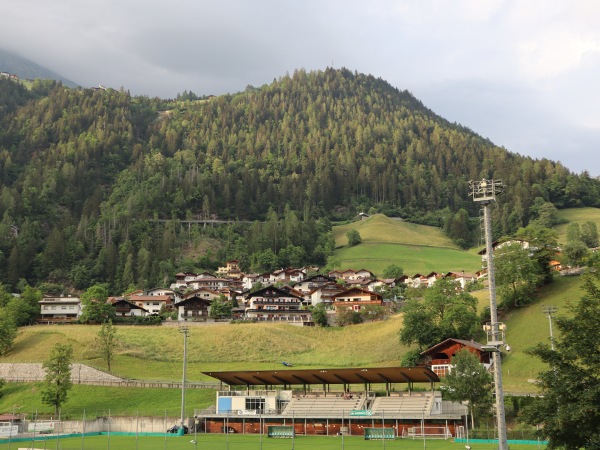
x,y
185,331
484,192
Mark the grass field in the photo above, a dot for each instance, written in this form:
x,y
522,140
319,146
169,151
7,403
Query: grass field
x,y
96,401
576,215
248,442
415,248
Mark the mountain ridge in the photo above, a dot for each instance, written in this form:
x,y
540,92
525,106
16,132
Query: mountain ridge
x,y
82,171
29,70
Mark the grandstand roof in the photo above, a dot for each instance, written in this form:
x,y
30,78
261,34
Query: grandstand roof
x,y
326,376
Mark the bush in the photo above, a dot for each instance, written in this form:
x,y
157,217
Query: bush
x,y
138,320
353,238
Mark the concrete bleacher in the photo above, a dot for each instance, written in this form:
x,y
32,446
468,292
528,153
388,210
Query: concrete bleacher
x,y
417,405
324,406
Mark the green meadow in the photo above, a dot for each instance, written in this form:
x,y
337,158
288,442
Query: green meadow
x,y
576,215
415,248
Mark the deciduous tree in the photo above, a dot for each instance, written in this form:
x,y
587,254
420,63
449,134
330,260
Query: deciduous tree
x,y
57,382
470,382
107,342
8,333
446,311
353,238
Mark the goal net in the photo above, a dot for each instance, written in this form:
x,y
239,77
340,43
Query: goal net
x,y
427,432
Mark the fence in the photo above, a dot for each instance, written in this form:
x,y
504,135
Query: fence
x,y
100,431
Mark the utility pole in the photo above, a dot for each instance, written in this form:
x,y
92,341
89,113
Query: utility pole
x,y
484,192
549,311
185,331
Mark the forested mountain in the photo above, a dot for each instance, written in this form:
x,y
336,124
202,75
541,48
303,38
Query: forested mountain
x,y
85,174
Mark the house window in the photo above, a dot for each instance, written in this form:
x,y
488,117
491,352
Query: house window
x,y
53,307
63,307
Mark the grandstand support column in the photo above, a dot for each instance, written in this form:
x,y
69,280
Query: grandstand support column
x,y
484,192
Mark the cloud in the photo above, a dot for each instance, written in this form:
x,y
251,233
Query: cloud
x,y
514,71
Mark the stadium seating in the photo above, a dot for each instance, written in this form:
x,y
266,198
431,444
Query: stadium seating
x,y
330,406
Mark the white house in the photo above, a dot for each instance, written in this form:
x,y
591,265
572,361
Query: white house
x,y
60,309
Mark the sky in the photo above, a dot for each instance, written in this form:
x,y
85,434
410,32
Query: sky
x,y
523,73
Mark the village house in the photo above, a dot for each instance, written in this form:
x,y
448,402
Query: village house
x,y
249,280
439,357
356,299
230,270
351,274
152,303
126,308
324,294
462,278
275,304
287,276
309,284
181,280
209,282
193,308
59,309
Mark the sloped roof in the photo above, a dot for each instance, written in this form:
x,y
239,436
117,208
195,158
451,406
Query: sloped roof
x,y
447,342
326,376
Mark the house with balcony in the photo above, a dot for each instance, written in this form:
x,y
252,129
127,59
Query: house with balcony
x,y
309,284
439,357
230,270
193,308
126,308
59,309
273,304
356,299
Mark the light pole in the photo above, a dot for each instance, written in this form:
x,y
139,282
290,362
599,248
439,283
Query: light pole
x,y
484,192
185,331
549,311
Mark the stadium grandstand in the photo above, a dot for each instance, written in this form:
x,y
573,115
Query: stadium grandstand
x,y
332,402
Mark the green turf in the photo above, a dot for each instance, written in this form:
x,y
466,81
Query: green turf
x,y
248,442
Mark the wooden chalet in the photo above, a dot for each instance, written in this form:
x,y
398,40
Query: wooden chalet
x,y
193,308
439,357
126,308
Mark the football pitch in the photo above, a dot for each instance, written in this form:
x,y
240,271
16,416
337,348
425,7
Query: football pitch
x,y
107,441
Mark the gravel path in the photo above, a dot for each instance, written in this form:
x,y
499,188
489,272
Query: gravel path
x,y
35,372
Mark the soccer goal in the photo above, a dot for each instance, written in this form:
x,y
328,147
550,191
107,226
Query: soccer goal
x,y
427,432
